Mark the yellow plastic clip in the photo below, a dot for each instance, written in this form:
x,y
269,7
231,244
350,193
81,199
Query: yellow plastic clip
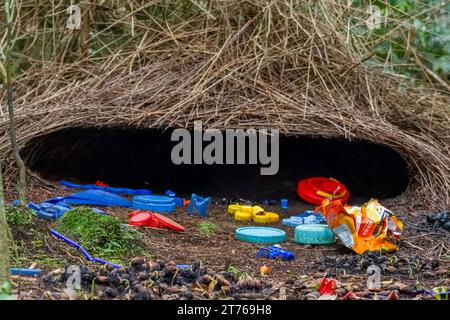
x,y
249,213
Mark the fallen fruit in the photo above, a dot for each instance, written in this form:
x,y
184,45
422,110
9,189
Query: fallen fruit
x,y
263,270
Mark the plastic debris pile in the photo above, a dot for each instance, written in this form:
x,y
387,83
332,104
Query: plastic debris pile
x,y
307,217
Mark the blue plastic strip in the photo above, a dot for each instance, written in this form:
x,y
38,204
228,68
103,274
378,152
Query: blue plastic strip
x,y
432,293
25,272
85,253
184,266
94,198
108,189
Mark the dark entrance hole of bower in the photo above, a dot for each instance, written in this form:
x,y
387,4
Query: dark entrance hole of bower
x,y
142,159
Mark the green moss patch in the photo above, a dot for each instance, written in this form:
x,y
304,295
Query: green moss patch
x,y
101,235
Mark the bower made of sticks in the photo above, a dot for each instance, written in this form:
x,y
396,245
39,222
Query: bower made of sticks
x,y
263,65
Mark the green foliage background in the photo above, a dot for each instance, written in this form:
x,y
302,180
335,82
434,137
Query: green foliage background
x,y
414,35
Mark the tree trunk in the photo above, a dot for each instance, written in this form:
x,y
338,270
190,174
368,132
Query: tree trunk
x,y
4,248
22,183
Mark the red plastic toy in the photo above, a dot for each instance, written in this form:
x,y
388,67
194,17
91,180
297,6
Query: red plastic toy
x,y
153,220
327,286
315,190
101,184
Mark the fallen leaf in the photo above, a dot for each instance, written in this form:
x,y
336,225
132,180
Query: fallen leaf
x,y
386,283
199,287
398,286
311,284
212,285
441,272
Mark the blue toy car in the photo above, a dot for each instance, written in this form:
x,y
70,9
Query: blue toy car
x,y
273,252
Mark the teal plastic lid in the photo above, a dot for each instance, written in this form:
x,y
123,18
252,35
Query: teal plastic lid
x,y
260,235
314,234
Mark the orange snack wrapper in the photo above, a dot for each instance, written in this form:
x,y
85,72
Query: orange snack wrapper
x,y
365,228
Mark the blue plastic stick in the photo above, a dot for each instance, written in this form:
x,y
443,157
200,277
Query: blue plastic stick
x,y
184,266
85,253
432,293
94,198
25,272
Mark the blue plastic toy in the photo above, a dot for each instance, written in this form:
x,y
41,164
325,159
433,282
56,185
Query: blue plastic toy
x,y
284,203
178,201
49,211
93,197
273,252
85,253
52,211
307,217
107,189
199,204
25,272
170,193
154,203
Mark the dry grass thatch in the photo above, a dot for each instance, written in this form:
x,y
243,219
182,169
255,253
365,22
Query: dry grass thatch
x,y
292,65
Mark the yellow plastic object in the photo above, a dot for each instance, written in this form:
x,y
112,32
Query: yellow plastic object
x,y
249,213
266,217
256,210
329,195
242,216
232,208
